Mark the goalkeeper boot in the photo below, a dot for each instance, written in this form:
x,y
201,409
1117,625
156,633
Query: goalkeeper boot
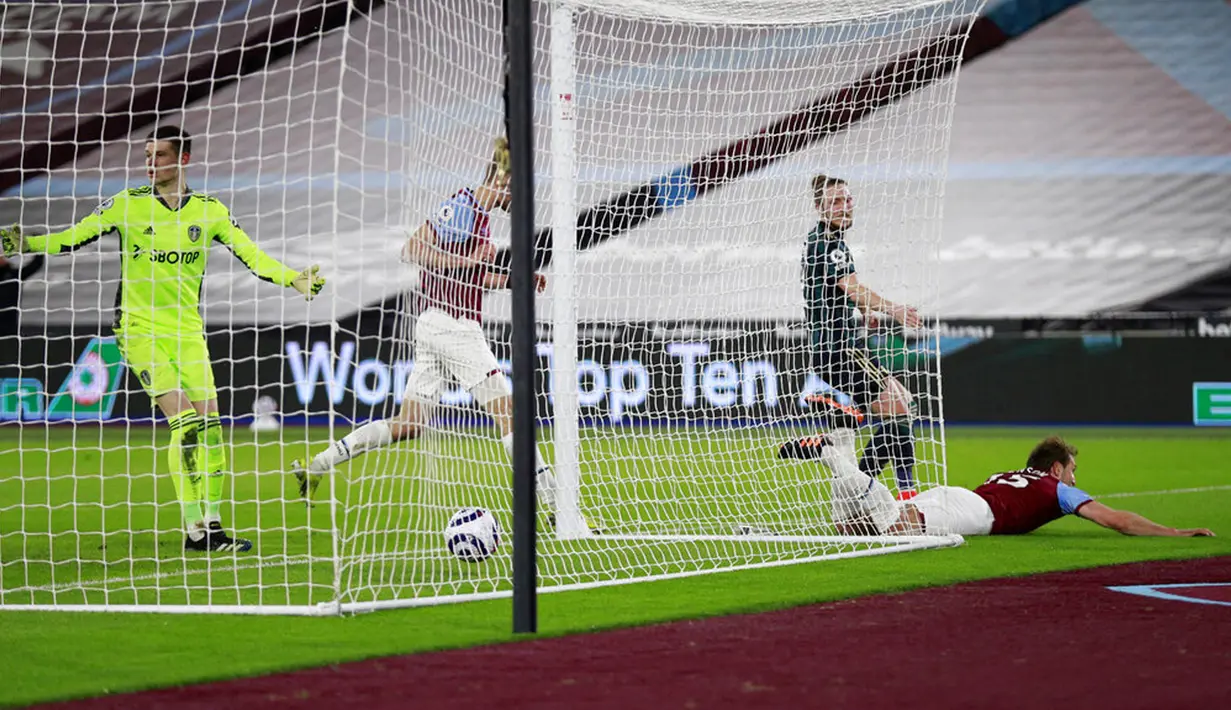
x,y
216,539
308,482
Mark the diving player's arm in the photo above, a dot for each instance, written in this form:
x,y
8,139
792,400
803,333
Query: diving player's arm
x,y
1127,522
869,301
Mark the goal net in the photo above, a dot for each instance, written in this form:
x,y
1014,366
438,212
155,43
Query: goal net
x,y
676,143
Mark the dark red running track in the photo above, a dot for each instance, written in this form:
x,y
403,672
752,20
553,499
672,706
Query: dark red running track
x,y
1048,641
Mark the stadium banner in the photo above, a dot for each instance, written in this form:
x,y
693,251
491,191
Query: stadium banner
x,y
667,373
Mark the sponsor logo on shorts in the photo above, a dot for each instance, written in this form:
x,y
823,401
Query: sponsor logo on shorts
x,y
194,234
145,377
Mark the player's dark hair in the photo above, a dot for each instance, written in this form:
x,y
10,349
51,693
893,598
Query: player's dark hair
x,y
1049,451
820,183
180,139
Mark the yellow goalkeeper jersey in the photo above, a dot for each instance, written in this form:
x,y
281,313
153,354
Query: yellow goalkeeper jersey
x,y
164,252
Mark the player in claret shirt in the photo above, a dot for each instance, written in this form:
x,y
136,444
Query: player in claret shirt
x,y
456,256
1009,503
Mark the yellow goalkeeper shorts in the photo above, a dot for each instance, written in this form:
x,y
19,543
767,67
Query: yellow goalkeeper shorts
x,y
166,363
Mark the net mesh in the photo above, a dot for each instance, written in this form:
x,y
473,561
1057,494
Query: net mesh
x,y
692,360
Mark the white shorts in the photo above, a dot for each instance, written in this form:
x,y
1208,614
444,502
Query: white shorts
x,y
949,510
448,346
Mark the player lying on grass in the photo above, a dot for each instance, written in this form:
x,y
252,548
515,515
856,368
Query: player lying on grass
x,y
832,295
1008,503
165,231
455,253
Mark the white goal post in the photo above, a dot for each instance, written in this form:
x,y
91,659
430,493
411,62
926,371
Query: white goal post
x,y
676,146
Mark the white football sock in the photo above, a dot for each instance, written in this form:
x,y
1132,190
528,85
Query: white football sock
x,y
855,495
545,486
843,441
372,435
544,479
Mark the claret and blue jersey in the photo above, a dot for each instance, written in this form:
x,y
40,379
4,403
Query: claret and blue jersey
x,y
460,225
1022,501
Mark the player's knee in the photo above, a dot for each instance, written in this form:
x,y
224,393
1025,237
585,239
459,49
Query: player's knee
x,y
173,402
894,400
408,424
401,429
489,393
501,412
909,522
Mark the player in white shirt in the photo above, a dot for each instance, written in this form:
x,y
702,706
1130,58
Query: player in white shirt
x,y
455,255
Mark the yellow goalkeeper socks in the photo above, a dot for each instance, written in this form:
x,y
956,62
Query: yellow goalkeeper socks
x,y
182,462
213,465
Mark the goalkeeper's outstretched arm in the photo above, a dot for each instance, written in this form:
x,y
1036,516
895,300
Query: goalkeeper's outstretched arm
x,y
267,268
89,230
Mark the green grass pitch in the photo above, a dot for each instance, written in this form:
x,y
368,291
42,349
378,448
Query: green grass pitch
x,y
1150,471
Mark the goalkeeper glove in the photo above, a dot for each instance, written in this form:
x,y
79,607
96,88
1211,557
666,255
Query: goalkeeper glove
x,y
11,240
308,283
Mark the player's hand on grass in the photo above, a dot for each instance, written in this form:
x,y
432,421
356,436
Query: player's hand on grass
x,y
1196,532
308,283
11,240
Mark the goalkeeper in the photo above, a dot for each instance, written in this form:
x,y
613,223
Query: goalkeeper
x,y
165,231
832,294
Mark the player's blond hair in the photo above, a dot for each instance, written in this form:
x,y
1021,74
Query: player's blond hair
x,y
500,163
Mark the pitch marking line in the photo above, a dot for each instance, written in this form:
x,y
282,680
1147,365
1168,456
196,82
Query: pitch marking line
x,y
1166,492
107,582
1155,591
66,586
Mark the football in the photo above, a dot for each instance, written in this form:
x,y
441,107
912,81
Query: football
x,y
472,534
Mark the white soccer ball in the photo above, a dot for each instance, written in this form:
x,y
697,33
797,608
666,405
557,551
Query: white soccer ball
x,y
473,534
